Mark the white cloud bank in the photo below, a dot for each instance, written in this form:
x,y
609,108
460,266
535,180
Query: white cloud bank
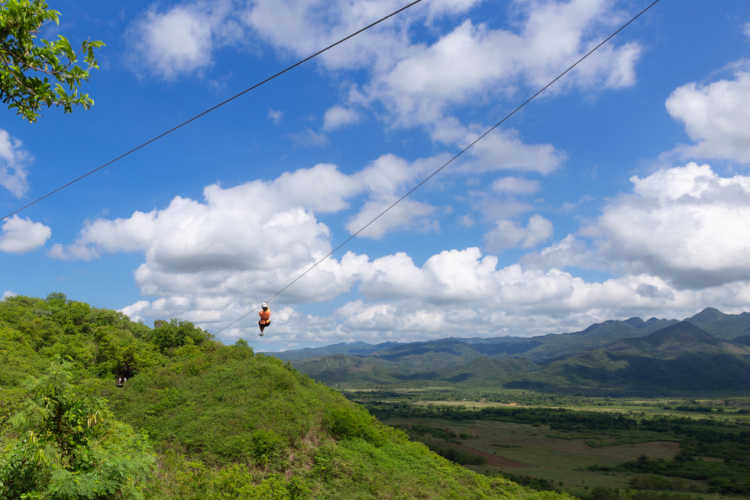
x,y
452,293
679,242
13,165
281,230
19,235
716,117
687,225
7,294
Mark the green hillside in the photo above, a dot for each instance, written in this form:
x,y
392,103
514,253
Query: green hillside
x,y
721,325
195,419
679,359
463,362
414,370
589,361
597,335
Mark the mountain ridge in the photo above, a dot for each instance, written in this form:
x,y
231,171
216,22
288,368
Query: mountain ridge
x,y
680,358
546,346
572,359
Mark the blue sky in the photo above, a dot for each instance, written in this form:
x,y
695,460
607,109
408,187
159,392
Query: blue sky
x,y
623,191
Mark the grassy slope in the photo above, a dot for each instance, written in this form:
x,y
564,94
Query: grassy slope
x,y
228,423
211,412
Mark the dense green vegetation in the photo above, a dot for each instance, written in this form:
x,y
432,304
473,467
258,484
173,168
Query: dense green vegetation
x,y
68,445
195,419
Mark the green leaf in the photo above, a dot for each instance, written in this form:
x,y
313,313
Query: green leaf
x,y
27,62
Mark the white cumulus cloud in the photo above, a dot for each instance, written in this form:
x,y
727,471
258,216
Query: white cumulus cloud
x,y
240,244
13,165
716,117
686,224
420,87
21,235
182,39
417,82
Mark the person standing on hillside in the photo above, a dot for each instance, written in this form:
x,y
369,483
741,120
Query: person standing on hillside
x,y
265,317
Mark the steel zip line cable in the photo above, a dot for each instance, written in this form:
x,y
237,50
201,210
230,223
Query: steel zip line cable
x,y
207,111
449,161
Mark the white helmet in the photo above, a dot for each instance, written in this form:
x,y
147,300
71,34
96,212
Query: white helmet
x,y
264,305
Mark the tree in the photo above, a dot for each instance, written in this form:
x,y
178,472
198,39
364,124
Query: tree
x,y
35,72
69,446
176,333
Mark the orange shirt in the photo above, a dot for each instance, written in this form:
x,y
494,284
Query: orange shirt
x,y
265,315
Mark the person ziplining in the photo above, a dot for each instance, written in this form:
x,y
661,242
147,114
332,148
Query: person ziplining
x,y
265,317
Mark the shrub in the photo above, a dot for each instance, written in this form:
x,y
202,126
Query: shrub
x,y
325,463
351,422
70,446
266,446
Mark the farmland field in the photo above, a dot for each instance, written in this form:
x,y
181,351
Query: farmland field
x,y
698,447
538,451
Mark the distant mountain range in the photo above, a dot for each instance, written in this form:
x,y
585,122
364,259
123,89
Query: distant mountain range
x,y
680,358
707,352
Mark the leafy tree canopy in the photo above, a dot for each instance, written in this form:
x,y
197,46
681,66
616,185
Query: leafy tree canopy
x,y
35,72
69,445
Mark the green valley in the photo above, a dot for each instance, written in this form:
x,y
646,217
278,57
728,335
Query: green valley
x,y
622,409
